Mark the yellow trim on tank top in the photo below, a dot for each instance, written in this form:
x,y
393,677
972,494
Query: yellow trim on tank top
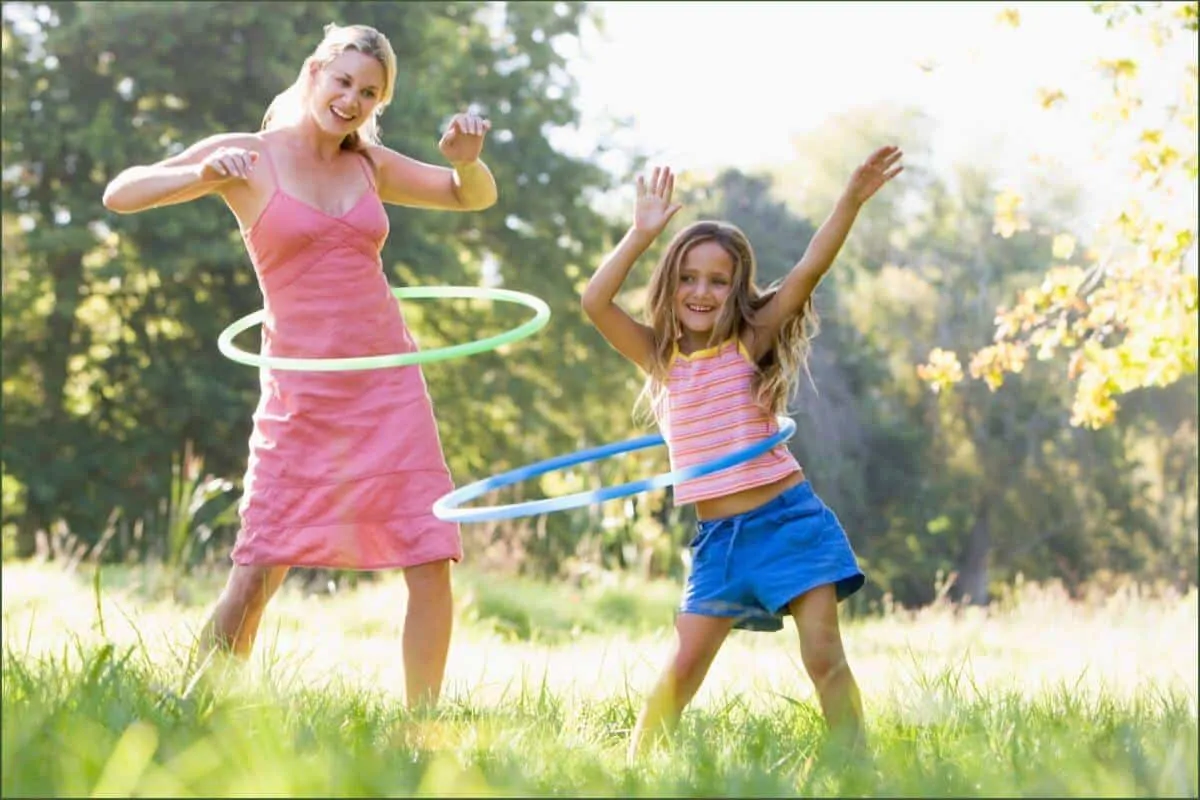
x,y
709,351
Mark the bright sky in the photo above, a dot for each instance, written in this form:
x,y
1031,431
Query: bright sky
x,y
723,83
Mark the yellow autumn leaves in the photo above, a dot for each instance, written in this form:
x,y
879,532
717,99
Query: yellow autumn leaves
x,y
1129,319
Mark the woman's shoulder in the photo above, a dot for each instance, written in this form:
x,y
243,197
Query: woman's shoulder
x,y
380,156
375,149
202,148
259,140
243,139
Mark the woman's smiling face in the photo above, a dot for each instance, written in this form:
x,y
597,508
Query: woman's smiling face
x,y
346,91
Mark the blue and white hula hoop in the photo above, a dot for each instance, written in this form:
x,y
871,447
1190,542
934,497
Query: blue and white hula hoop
x,y
448,507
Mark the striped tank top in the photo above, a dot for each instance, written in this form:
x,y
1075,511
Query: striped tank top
x,y
709,411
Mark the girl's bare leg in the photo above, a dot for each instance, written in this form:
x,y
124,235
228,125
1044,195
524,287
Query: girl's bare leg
x,y
698,640
824,658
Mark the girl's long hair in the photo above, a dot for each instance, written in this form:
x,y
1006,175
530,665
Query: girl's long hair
x,y
778,369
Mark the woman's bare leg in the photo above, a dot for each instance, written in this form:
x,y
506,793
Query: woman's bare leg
x,y
428,622
234,623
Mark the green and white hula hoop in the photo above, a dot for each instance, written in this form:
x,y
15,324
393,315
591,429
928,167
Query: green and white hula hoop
x,y
229,350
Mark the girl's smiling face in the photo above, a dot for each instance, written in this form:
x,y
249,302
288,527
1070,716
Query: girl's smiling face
x,y
705,282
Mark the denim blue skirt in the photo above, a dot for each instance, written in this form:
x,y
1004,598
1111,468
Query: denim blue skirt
x,y
751,565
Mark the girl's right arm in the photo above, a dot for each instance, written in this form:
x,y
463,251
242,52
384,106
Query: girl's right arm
x,y
654,210
206,167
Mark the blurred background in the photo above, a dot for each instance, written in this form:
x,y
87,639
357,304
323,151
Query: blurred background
x,y
1004,385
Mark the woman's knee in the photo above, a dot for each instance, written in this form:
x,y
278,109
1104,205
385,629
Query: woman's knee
x,y
429,578
251,587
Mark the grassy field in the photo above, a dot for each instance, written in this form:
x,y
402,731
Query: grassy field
x,y
1038,696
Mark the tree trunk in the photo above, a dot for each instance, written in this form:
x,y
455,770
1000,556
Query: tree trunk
x,y
26,539
972,585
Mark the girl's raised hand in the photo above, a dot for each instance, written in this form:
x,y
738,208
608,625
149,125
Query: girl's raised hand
x,y
879,168
654,208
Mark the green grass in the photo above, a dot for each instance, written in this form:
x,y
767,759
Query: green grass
x,y
525,610
1040,698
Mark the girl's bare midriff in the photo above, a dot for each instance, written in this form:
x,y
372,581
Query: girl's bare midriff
x,y
748,499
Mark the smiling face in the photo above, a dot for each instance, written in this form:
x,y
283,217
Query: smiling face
x,y
700,292
345,92
704,283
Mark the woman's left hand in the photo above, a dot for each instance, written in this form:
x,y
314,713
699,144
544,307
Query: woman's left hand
x,y
463,140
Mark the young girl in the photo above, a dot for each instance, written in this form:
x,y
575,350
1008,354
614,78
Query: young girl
x,y
344,467
721,359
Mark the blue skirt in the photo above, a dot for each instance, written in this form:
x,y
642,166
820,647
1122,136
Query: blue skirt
x,y
752,565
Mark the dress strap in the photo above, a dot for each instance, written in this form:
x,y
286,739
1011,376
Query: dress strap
x,y
367,168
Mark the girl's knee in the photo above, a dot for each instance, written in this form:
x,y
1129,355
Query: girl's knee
x,y
822,651
823,654
698,640
823,663
821,647
692,660
689,665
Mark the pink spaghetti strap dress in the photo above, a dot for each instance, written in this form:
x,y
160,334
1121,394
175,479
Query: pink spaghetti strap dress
x,y
344,467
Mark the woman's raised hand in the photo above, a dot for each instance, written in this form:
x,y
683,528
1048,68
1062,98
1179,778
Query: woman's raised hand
x,y
226,163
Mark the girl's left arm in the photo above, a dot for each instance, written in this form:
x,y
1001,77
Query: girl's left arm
x,y
800,283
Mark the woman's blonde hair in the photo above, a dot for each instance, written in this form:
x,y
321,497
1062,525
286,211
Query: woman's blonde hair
x,y
778,369
288,106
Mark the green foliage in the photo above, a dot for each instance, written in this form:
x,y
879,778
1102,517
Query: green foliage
x,y
965,490
529,610
112,360
197,504
110,365
1123,314
77,733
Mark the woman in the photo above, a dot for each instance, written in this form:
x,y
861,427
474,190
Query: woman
x,y
344,467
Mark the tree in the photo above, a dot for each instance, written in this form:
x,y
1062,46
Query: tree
x,y
109,357
965,483
1122,314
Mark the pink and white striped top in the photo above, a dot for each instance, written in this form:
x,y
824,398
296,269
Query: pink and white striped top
x,y
709,411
